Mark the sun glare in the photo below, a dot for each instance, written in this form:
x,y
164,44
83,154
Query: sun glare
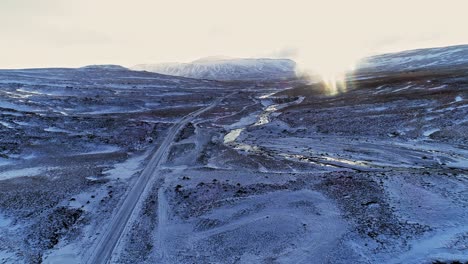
x,y
334,80
330,69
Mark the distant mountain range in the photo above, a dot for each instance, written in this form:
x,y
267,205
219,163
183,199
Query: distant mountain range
x,y
430,58
224,68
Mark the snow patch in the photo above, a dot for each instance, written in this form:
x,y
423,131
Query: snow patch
x,y
5,124
64,254
56,130
126,169
429,132
243,122
30,172
233,135
4,221
102,150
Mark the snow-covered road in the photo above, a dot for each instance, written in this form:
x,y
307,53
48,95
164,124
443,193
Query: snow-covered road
x,y
108,241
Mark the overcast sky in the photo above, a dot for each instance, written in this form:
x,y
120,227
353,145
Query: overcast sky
x,y
316,32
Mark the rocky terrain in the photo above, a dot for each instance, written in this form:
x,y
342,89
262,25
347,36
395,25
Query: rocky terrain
x,y
270,171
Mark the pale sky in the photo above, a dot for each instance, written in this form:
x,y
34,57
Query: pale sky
x,y
316,33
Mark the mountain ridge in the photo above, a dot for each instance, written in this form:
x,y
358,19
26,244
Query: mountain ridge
x,y
216,68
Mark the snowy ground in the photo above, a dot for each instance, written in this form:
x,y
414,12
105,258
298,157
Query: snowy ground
x,y
73,141
377,174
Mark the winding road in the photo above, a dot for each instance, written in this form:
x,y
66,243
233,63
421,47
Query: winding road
x,y
106,244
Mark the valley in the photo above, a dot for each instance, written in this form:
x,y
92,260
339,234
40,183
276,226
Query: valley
x,y
104,164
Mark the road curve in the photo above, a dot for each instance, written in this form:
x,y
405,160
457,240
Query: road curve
x,y
107,242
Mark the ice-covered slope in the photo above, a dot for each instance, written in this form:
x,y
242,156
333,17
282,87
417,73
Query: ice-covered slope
x,y
430,58
217,68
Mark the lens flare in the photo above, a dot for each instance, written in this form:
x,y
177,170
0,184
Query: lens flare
x,y
335,82
329,69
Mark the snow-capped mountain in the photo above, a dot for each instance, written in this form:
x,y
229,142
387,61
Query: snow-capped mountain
x,y
223,68
104,67
429,58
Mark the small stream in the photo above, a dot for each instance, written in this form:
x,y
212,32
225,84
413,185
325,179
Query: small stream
x,y
261,119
